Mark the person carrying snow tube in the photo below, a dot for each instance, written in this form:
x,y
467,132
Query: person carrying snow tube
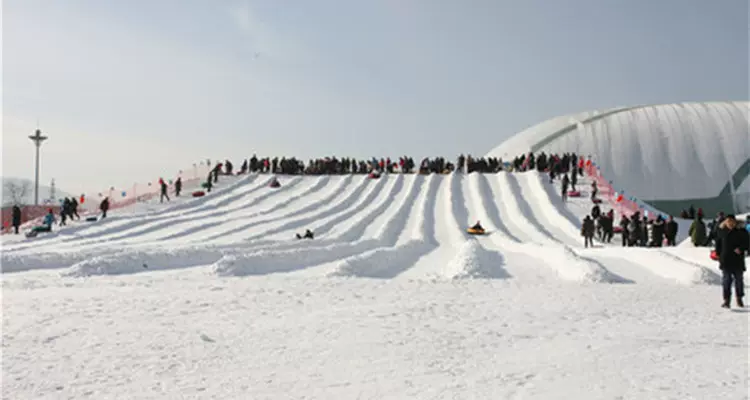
x,y
477,229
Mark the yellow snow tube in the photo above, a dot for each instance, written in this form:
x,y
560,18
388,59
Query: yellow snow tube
x,y
473,231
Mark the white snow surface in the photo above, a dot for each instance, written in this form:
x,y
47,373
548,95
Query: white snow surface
x,y
214,298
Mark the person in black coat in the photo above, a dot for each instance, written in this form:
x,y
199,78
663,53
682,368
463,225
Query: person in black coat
x,y
731,245
104,207
671,231
587,231
164,194
625,234
658,231
16,218
573,181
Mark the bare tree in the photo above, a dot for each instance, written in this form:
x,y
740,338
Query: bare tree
x,y
16,192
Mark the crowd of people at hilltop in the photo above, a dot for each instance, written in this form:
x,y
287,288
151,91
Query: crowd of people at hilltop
x,y
337,166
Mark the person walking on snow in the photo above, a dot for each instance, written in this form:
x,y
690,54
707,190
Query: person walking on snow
x,y
104,206
163,191
74,208
731,245
178,186
565,182
594,190
64,210
573,180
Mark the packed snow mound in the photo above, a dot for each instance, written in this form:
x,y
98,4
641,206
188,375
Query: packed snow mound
x,y
408,227
383,262
270,261
473,261
135,261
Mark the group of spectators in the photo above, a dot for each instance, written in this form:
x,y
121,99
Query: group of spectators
x,y
337,166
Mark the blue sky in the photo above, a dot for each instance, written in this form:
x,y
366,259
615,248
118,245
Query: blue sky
x,y
132,90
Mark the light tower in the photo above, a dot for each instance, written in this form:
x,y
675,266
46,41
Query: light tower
x,y
37,138
52,193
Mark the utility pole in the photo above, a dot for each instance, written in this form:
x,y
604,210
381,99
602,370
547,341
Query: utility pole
x,y
37,138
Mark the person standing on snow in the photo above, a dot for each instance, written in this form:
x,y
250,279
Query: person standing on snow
x,y
565,182
607,222
634,230
713,228
697,231
104,206
625,236
731,245
209,181
573,180
594,190
671,231
658,232
16,217
587,231
178,186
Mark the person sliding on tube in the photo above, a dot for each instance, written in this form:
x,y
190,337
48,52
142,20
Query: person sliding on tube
x,y
477,227
308,235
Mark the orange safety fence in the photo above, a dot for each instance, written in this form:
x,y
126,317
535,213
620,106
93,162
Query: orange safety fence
x,y
619,200
119,197
28,213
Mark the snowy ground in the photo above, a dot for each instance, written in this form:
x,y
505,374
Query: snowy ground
x,y
212,298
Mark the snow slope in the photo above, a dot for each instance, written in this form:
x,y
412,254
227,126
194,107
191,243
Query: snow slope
x,y
214,297
399,226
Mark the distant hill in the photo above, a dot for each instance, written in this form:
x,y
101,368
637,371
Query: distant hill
x,y
28,198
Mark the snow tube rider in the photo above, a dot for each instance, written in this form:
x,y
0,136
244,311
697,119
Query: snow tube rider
x,y
46,226
308,235
477,229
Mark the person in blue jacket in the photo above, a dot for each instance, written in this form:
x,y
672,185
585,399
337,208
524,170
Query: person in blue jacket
x,y
46,226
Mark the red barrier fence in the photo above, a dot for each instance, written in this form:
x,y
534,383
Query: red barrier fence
x,y
619,200
120,197
28,213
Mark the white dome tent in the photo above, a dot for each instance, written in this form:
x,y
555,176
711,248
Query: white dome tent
x,y
669,156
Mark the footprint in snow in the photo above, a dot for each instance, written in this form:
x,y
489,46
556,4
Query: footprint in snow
x,y
206,338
